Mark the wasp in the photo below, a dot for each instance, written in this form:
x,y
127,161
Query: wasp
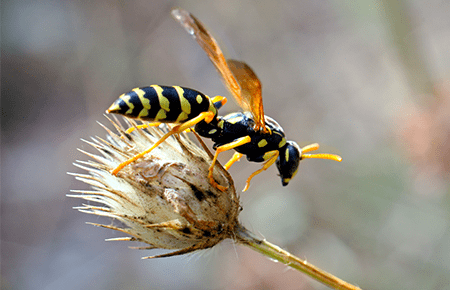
x,y
250,133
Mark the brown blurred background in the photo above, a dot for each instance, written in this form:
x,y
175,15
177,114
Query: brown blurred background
x,y
367,79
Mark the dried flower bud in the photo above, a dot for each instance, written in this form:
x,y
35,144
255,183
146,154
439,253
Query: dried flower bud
x,y
164,199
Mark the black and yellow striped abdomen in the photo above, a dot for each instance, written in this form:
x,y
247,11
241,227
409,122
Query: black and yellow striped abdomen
x,y
165,104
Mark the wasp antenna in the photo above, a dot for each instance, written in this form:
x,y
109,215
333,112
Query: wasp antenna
x,y
310,147
323,156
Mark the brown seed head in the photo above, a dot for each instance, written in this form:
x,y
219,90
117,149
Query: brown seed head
x,y
163,199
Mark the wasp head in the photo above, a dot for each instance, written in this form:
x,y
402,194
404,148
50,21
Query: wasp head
x,y
291,154
288,160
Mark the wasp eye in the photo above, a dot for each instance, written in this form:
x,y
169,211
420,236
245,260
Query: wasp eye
x,y
288,160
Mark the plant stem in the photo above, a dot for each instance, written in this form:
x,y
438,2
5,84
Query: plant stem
x,y
247,238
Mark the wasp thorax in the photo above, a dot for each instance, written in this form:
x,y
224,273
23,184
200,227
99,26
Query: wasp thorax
x,y
163,199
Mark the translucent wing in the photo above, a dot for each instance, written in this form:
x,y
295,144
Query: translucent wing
x,y
238,77
251,97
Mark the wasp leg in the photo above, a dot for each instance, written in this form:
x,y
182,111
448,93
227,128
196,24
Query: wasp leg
x,y
233,159
236,143
271,157
143,126
207,116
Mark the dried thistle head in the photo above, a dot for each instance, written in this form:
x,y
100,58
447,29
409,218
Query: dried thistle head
x,y
163,199
166,200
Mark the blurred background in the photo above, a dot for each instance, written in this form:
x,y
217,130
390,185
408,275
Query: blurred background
x,y
366,79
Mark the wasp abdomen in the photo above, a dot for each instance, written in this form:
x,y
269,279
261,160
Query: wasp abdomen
x,y
165,104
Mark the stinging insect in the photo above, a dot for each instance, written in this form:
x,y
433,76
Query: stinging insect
x,y
249,133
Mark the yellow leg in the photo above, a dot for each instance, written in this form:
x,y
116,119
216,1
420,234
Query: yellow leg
x,y
271,157
143,126
233,159
207,116
220,99
223,148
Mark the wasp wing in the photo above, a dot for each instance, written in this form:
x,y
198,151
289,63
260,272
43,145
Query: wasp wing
x,y
238,77
251,94
197,30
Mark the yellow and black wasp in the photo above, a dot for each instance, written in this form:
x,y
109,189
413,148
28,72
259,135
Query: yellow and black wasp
x,y
249,133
